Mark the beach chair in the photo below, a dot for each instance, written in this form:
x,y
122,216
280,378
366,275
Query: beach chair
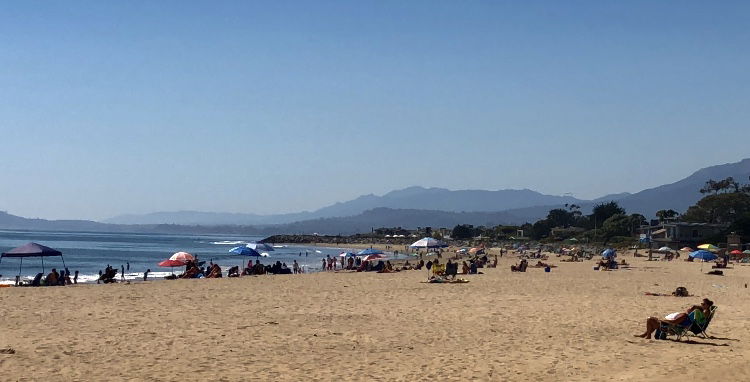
x,y
697,327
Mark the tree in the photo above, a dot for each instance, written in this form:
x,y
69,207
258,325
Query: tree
x,y
666,214
541,229
604,211
719,208
560,218
636,220
462,232
615,225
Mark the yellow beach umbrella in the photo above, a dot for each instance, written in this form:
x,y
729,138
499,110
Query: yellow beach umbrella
x,y
709,247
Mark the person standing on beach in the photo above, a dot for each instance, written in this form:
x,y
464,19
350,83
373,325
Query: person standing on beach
x,y
128,267
122,275
75,278
295,266
145,274
324,264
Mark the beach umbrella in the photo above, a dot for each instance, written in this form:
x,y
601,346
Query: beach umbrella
x,y
736,252
746,252
245,251
704,255
428,242
171,263
347,254
374,256
259,246
709,247
665,249
476,251
182,256
369,251
609,252
686,249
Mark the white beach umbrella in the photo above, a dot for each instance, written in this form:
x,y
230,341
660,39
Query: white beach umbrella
x,y
260,246
428,242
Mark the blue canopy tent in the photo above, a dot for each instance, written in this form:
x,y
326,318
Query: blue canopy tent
x,y
32,250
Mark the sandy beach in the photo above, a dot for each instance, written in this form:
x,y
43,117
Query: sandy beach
x,y
572,324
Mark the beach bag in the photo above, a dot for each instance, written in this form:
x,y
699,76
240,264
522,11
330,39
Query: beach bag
x,y
681,292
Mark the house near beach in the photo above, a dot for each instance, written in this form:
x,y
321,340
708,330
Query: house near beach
x,y
677,234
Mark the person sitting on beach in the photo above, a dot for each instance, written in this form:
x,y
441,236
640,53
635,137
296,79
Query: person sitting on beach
x,y
191,272
406,266
387,268
363,266
681,318
234,271
521,267
215,272
464,268
494,263
53,278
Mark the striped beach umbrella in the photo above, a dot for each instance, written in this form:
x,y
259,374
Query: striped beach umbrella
x,y
182,256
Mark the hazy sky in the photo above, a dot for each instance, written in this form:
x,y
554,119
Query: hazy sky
x,y
271,106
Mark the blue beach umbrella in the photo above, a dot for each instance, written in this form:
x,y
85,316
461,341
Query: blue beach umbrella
x,y
369,251
609,252
704,255
244,251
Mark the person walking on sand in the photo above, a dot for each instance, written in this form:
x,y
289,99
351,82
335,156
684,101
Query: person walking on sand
x,y
145,274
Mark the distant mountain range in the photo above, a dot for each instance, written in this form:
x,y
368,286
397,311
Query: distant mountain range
x,y
415,198
408,208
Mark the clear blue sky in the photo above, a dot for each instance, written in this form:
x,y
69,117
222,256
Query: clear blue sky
x,y
249,106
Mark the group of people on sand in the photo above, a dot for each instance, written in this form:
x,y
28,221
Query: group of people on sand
x,y
53,278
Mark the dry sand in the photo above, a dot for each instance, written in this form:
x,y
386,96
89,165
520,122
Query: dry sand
x,y
568,325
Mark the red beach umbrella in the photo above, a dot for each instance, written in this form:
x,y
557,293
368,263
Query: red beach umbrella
x,y
172,263
373,257
736,252
182,256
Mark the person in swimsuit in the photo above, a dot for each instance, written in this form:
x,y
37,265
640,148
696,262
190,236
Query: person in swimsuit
x,y
683,319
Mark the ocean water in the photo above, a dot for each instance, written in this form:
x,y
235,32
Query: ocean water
x,y
88,253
